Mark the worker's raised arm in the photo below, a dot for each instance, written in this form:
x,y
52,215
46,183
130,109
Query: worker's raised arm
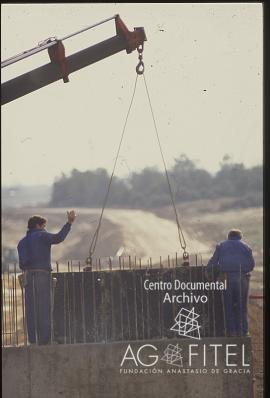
x,y
59,237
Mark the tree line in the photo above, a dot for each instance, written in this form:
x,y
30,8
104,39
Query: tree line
x,y
149,188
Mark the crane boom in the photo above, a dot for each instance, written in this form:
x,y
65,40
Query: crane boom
x,y
51,72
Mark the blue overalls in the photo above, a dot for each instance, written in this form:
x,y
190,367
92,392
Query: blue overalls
x,y
38,306
234,258
34,252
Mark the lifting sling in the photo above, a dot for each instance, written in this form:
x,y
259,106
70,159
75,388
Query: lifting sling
x,y
139,71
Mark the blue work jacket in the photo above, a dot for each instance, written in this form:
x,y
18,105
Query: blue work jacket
x,y
231,255
34,249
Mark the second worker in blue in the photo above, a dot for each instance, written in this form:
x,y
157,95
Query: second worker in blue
x,y
234,258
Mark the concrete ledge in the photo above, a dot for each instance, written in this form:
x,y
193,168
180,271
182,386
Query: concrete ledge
x,y
94,371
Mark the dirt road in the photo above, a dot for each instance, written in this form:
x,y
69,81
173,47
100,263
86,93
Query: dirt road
x,y
145,234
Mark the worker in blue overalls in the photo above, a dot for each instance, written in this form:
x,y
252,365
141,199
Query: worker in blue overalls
x,y
234,258
34,252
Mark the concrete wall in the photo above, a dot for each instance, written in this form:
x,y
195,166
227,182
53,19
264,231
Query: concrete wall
x,y
93,371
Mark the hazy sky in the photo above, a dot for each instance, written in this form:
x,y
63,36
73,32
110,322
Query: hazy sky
x,y
190,48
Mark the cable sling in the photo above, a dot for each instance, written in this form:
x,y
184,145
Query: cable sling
x,y
140,71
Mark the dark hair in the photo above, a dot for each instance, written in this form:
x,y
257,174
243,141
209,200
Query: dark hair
x,y
235,233
36,220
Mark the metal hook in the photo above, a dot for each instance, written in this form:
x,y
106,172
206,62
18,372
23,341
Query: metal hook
x,y
140,68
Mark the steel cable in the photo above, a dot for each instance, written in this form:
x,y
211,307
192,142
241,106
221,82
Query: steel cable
x,y
95,237
180,231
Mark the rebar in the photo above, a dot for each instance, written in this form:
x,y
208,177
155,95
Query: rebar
x,y
94,308
52,306
14,329
121,310
69,311
83,309
2,311
111,304
213,307
9,308
74,318
142,313
4,307
16,305
65,310
128,317
203,309
23,315
135,304
148,314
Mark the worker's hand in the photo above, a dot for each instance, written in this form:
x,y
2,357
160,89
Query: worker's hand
x,y
71,216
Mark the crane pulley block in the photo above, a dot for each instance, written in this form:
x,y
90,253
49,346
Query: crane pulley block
x,y
133,39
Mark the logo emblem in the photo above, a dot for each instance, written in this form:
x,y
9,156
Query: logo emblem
x,y
186,324
172,355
